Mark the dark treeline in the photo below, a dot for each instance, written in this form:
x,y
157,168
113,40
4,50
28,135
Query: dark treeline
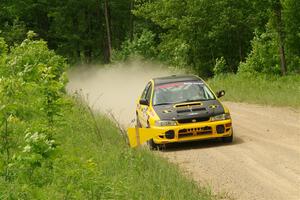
x,y
210,36
75,29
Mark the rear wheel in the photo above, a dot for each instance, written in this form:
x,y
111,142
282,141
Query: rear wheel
x,y
138,123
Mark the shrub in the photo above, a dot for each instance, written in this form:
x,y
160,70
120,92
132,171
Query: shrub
x,y
220,67
173,51
264,57
32,81
143,45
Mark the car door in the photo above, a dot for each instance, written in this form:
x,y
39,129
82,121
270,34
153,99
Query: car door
x,y
143,109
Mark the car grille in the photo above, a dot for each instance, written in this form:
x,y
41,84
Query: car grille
x,y
193,120
194,131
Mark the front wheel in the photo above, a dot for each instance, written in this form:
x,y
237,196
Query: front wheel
x,y
228,139
153,146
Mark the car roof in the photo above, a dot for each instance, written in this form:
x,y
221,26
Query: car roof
x,y
175,78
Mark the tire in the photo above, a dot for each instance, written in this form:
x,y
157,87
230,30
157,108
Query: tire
x,y
153,146
150,143
228,139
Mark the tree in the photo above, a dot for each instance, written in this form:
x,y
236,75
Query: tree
x,y
83,31
196,33
279,27
108,29
291,16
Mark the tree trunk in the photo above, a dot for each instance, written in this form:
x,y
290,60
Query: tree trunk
x,y
108,31
131,20
87,46
240,46
280,32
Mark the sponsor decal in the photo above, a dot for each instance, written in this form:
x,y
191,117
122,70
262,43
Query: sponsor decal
x,y
193,83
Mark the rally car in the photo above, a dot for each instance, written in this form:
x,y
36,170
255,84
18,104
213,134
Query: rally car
x,y
183,108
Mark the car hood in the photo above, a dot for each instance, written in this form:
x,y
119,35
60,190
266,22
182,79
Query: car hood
x,y
190,110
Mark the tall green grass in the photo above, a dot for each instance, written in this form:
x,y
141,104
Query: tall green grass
x,y
260,89
94,162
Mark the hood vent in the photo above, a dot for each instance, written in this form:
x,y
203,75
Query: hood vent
x,y
191,110
188,104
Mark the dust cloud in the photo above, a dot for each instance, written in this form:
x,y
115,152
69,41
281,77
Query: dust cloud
x,y
115,88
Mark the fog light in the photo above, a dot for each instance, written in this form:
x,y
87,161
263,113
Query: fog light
x,y
170,134
220,129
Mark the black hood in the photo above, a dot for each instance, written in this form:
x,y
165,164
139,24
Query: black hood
x,y
194,110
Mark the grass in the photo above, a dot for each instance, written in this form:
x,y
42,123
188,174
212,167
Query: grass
x,y
260,89
96,163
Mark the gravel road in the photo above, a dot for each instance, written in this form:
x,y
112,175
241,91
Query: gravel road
x,y
263,162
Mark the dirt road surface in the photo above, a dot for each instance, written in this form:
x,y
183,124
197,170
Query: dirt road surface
x,y
262,163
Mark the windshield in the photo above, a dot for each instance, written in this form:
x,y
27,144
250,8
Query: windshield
x,y
181,92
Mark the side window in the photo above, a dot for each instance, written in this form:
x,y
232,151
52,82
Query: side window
x,y
145,91
148,95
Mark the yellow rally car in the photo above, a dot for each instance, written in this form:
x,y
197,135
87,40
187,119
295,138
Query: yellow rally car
x,y
182,108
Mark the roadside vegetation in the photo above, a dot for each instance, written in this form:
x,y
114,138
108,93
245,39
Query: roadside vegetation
x,y
260,89
53,147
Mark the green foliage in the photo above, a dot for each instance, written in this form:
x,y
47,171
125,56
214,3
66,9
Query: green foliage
x,y
87,168
13,33
180,33
220,66
75,29
32,84
143,45
195,33
264,57
263,89
173,51
282,29
3,48
38,147
3,52
292,26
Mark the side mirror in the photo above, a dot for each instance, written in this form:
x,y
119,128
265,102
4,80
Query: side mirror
x,y
144,102
220,93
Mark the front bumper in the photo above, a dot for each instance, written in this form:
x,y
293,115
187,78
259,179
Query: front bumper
x,y
194,131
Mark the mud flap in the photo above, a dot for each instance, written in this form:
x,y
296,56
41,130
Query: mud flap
x,y
138,136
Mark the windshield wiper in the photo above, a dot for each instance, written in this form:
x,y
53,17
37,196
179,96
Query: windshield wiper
x,y
194,100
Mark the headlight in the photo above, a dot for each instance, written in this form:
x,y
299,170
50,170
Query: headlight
x,y
220,117
165,123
